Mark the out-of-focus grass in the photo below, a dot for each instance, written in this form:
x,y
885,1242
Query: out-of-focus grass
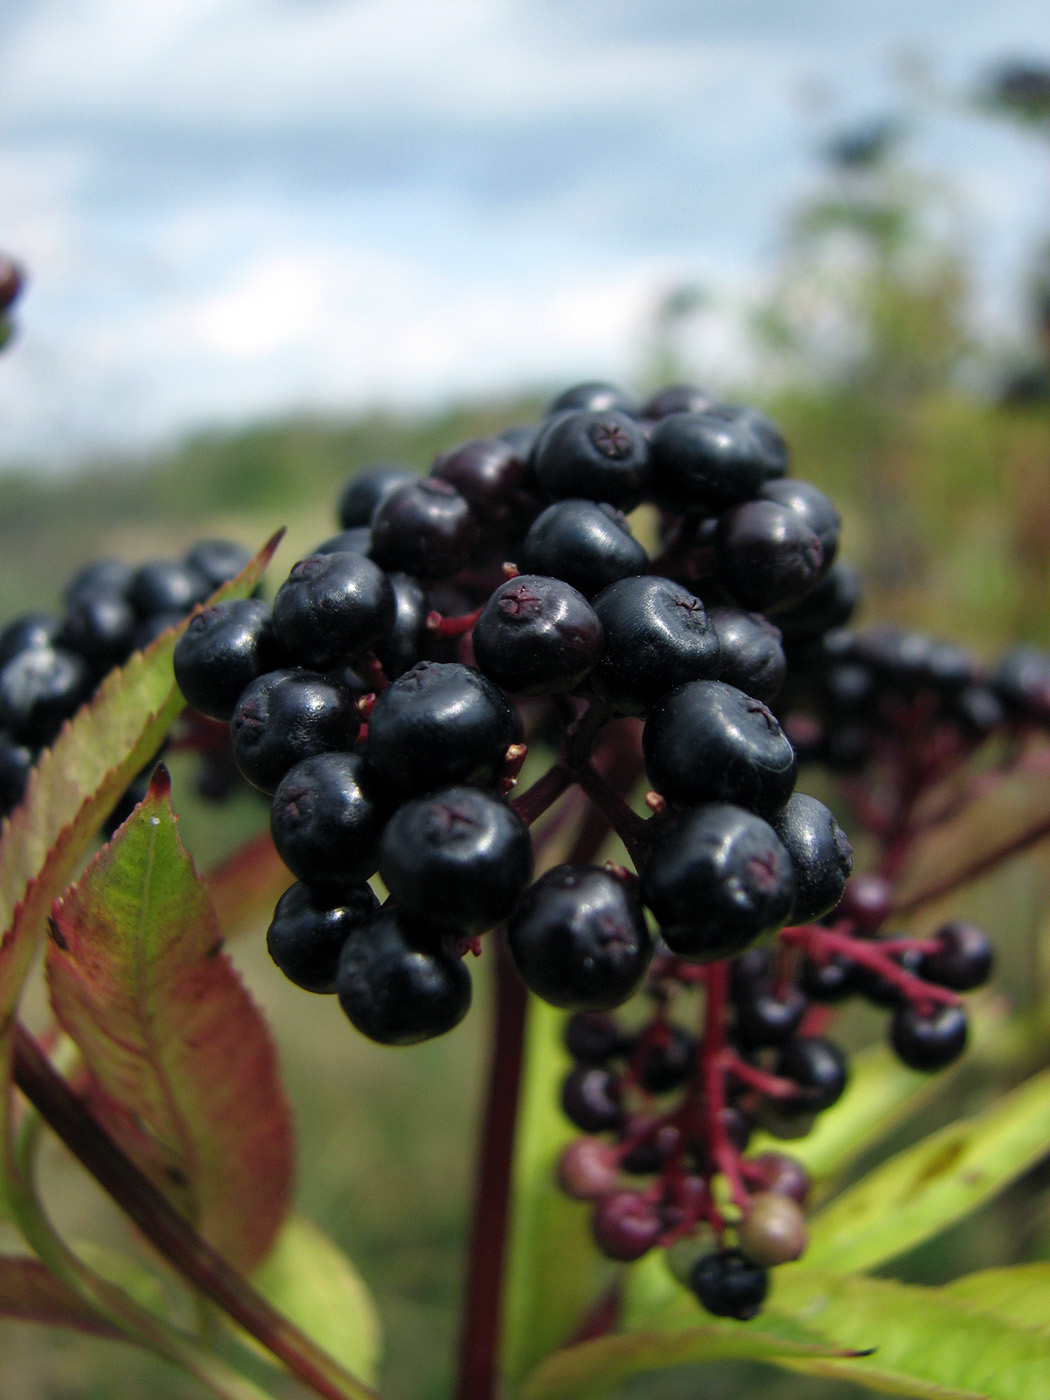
x,y
947,514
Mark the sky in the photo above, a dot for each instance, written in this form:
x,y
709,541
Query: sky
x,y
237,209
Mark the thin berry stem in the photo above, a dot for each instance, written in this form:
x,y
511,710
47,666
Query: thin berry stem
x,y
724,1157
193,1258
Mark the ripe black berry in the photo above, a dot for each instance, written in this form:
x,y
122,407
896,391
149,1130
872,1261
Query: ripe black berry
x,y
287,715
717,881
331,608
821,855
579,940
928,1040
584,543
310,927
456,857
425,528
657,635
224,648
710,742
537,636
439,723
728,1285
398,981
600,456
327,817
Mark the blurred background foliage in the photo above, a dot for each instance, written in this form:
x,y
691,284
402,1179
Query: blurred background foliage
x,y
936,449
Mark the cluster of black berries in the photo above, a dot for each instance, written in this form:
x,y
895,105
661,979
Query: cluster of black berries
x,y
51,662
856,695
622,592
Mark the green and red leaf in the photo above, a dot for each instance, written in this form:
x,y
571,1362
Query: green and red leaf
x,y
72,788
184,1069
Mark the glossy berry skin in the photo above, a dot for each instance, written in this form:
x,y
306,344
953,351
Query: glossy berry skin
x,y
817,510
592,1037
164,586
963,960
716,881
820,851
16,763
599,456
326,819
331,608
287,715
399,983
591,1099
712,459
39,689
28,632
456,857
364,492
595,395
728,1285
768,556
399,649
108,576
657,635
767,1014
101,629
492,477
425,529
217,561
311,926
626,1225
710,742
677,398
439,723
928,1041
584,543
818,1067
753,658
579,939
224,648
537,636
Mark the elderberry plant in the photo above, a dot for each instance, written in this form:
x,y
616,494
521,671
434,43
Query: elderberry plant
x,y
548,706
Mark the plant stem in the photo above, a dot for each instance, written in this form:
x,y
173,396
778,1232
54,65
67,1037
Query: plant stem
x,y
482,1307
1039,831
177,1241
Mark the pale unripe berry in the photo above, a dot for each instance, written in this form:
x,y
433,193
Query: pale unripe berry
x,y
773,1231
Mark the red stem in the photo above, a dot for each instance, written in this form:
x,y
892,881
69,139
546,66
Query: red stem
x,y
483,1303
177,1241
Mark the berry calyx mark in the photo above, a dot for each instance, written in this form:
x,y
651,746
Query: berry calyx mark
x,y
611,440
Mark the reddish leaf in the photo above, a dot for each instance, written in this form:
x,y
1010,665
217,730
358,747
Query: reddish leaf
x,y
29,1293
185,1069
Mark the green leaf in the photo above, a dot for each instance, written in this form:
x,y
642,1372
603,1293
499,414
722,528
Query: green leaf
x,y
182,1058
554,1270
29,1292
1019,1293
309,1279
588,1371
881,1092
924,1342
929,1186
73,787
